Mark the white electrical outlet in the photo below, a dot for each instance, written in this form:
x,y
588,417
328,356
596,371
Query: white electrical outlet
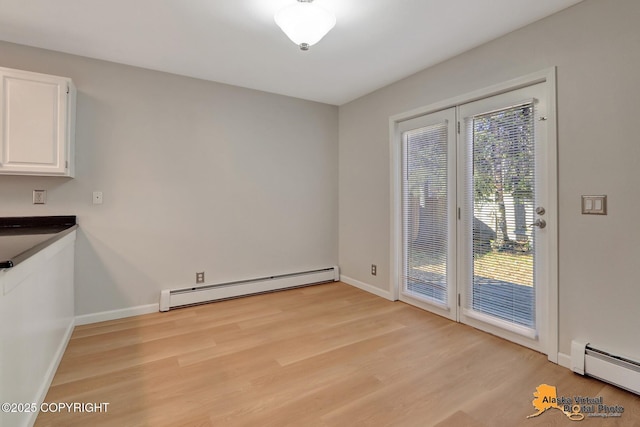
x,y
200,277
39,197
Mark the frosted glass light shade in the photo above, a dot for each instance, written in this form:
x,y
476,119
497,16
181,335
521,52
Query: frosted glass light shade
x,y
305,23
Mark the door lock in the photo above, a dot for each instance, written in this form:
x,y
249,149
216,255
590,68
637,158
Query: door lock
x,y
539,223
540,210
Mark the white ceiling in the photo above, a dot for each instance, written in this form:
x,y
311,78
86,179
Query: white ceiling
x,y
374,43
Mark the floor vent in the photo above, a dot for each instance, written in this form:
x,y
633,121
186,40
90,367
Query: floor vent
x,y
617,370
174,298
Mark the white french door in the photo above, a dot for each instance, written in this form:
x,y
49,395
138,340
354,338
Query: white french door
x,y
429,206
503,195
478,215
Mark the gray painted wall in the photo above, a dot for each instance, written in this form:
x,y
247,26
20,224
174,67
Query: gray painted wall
x,y
595,48
197,176
239,183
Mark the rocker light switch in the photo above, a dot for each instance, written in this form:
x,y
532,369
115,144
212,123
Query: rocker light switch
x,y
594,205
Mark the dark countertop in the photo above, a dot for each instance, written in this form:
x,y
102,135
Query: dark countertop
x,y
21,237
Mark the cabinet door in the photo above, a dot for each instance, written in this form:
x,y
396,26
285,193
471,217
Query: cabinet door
x,y
34,121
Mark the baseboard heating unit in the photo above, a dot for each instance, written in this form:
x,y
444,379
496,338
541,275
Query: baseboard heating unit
x,y
617,370
174,298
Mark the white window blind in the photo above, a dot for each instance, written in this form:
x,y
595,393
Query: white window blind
x,y
425,212
502,195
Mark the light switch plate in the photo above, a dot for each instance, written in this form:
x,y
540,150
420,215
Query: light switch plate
x,y
39,197
97,197
594,205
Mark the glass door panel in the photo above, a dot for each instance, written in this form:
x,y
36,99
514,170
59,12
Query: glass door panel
x,y
428,210
503,187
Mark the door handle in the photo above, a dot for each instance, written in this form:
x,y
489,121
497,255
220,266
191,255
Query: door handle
x,y
539,223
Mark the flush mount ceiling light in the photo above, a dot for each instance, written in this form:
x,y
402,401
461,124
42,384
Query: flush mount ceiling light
x,y
305,23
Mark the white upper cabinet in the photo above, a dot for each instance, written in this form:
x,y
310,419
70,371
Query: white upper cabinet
x,y
37,124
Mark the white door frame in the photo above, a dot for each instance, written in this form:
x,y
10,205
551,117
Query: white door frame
x,y
547,76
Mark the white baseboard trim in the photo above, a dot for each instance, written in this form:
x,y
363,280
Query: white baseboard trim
x,y
51,371
103,316
564,360
366,287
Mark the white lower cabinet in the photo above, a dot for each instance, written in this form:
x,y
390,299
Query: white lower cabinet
x,y
36,322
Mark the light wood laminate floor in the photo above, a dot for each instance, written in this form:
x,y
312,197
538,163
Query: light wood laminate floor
x,y
326,355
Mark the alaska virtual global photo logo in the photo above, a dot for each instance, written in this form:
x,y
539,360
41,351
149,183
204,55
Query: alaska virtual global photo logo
x,y
576,408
